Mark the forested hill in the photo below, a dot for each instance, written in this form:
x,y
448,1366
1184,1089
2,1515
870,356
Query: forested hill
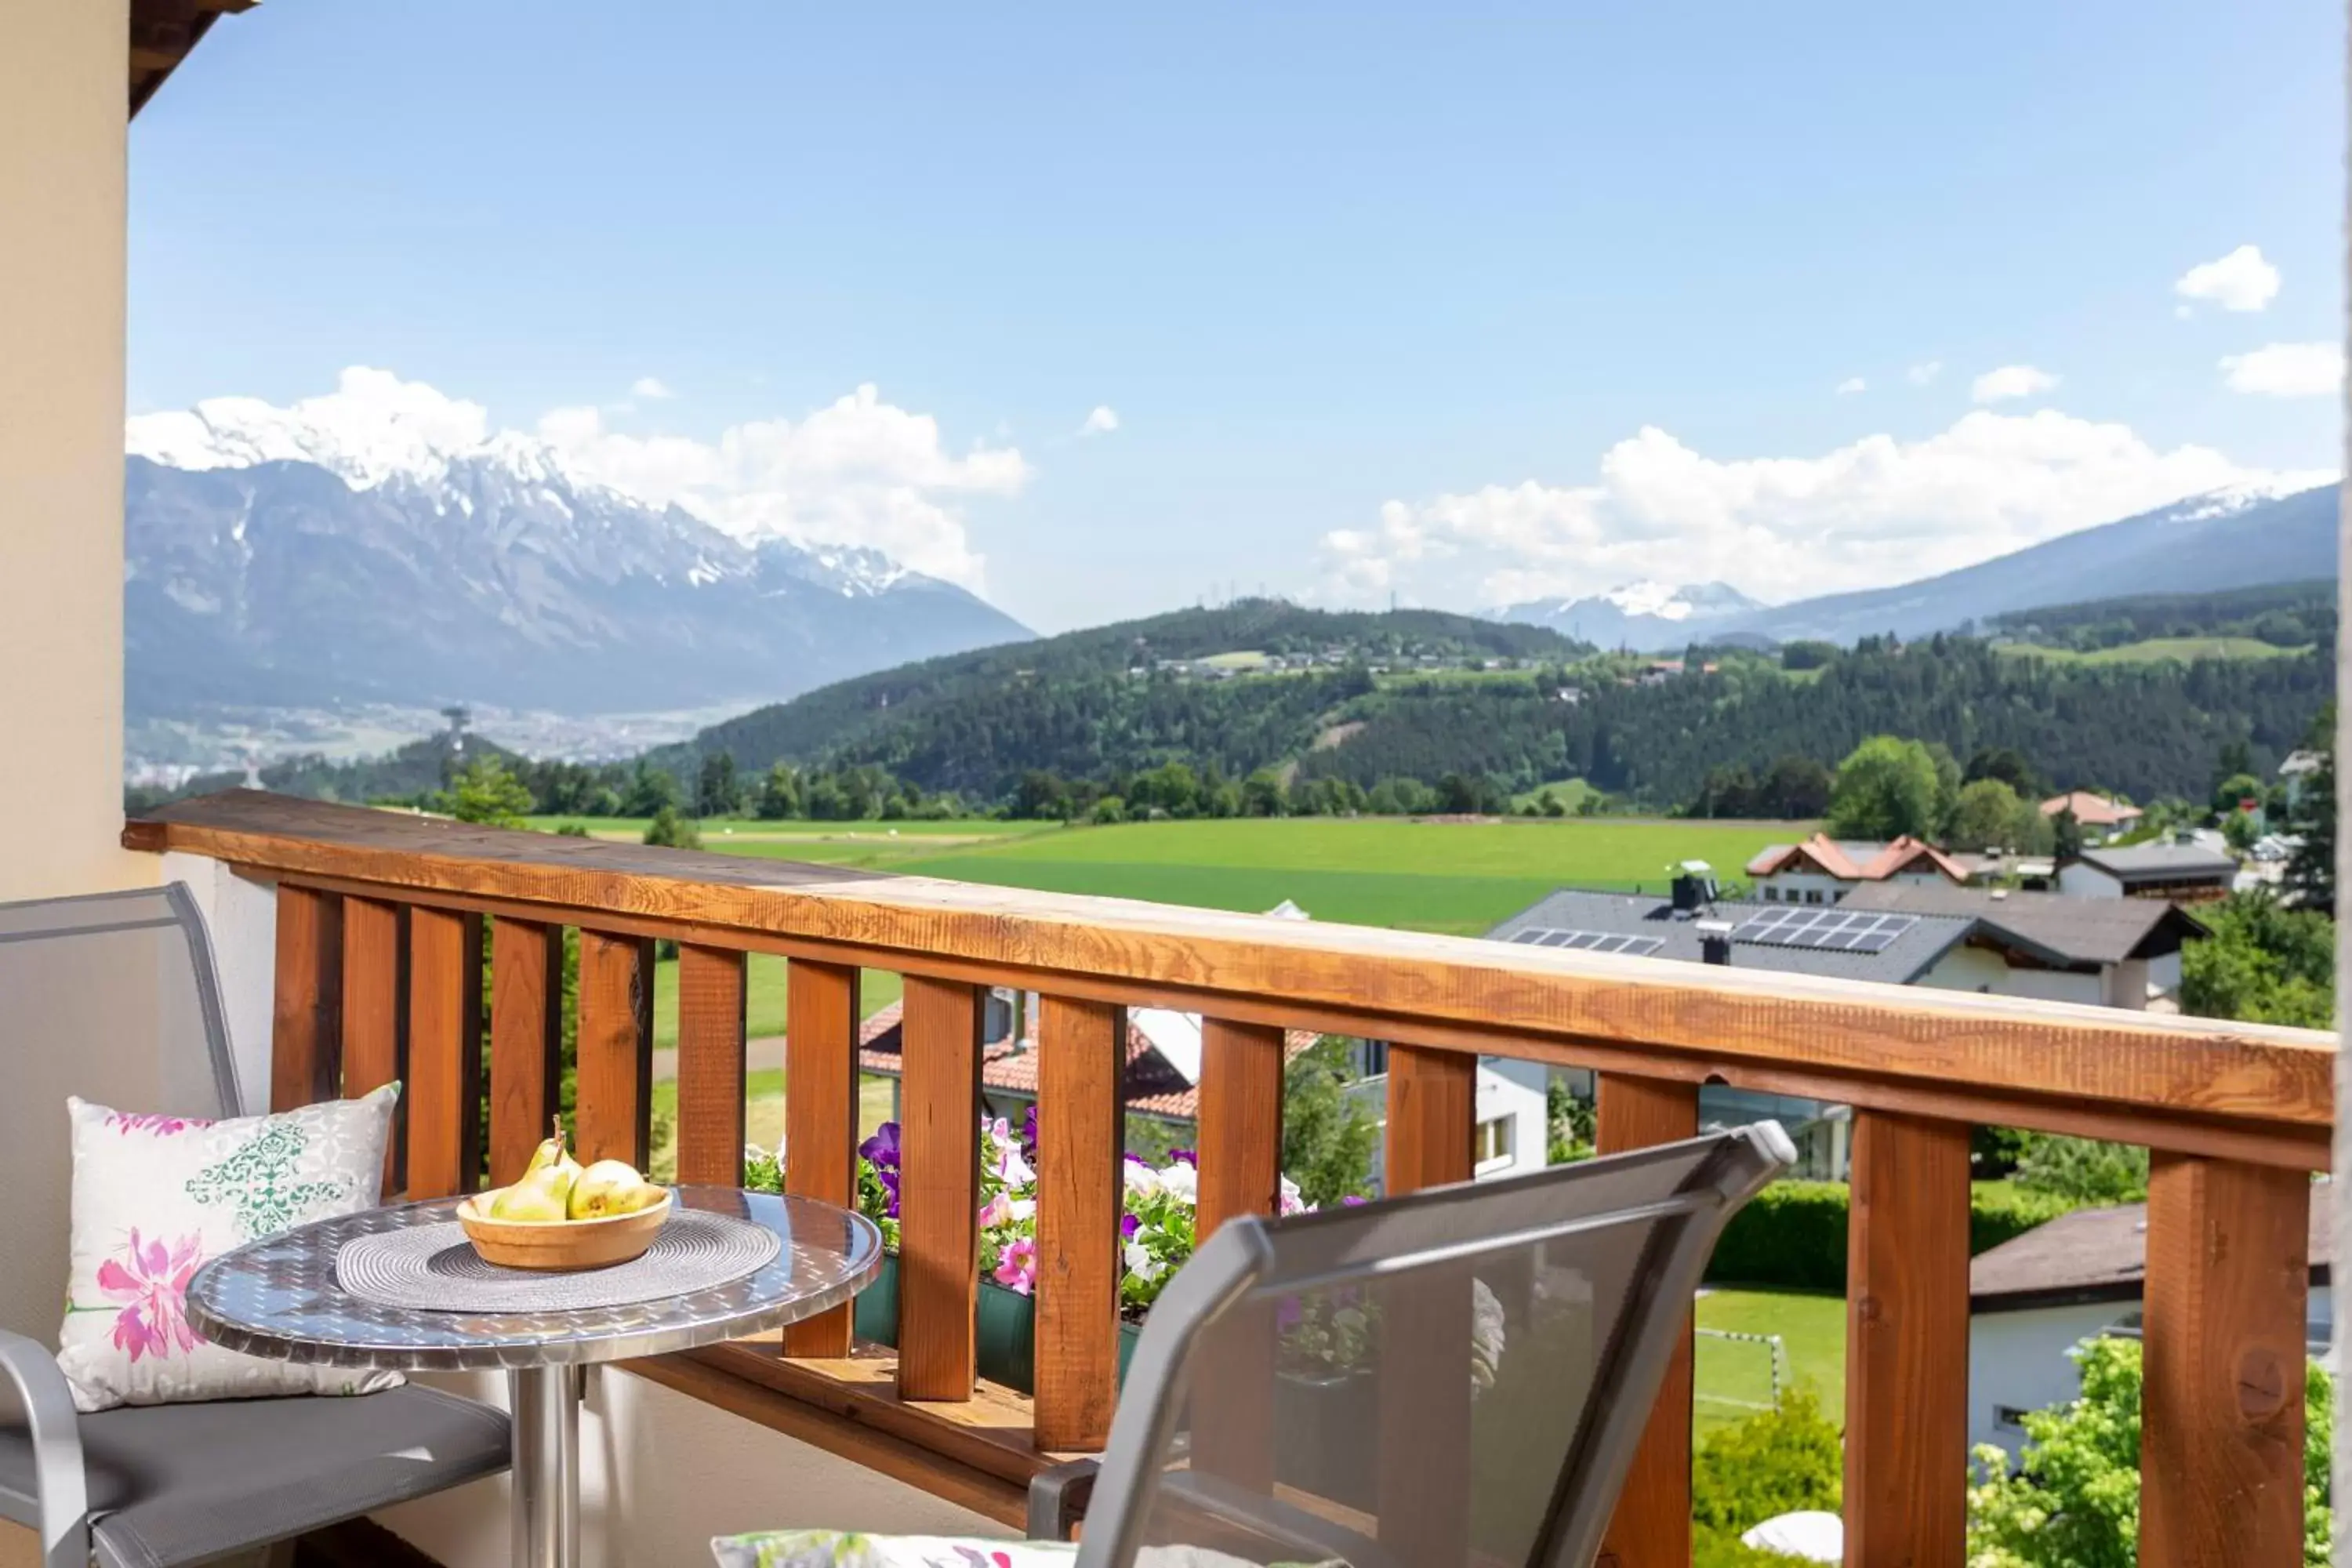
x,y
2148,729
1117,697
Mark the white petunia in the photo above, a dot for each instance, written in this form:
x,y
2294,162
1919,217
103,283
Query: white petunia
x,y
1140,1263
1180,1180
1142,1180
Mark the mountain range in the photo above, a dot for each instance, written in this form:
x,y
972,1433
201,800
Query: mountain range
x,y
280,566
2230,538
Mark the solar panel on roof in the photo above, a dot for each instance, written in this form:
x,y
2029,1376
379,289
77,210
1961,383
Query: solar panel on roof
x,y
1829,930
1588,940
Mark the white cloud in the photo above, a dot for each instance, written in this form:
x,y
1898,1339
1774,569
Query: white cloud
x,y
2240,281
652,388
1879,510
1852,384
1101,421
858,471
2287,370
1921,374
2011,381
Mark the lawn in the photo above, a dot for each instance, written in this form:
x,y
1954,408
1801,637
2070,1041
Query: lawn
x,y
2153,650
1733,1376
764,1003
1426,876
862,844
763,1116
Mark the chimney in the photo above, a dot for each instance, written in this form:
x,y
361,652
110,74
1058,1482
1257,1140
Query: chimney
x,y
1715,942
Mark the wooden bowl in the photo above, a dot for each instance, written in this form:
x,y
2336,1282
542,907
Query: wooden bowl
x,y
559,1245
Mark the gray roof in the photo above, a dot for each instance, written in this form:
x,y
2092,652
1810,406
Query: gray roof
x,y
2095,1255
2055,926
2154,860
1910,954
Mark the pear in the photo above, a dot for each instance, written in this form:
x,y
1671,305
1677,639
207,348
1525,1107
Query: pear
x,y
551,1151
611,1187
539,1197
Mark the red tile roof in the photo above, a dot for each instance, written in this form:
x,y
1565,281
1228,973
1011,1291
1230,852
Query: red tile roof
x,y
1835,859
2092,810
1154,1087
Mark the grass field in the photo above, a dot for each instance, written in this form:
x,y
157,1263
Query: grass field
x,y
1426,876
2154,650
763,1116
1733,1377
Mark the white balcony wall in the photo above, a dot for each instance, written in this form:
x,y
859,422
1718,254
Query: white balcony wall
x,y
64,79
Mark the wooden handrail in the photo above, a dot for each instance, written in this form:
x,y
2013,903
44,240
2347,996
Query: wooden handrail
x,y
2245,1091
381,912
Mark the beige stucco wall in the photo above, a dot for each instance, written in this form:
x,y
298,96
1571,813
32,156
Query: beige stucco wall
x,y
63,81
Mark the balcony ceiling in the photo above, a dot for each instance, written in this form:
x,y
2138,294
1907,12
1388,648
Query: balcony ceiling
x,y
163,32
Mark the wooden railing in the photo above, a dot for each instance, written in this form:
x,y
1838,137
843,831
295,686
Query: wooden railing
x,y
380,928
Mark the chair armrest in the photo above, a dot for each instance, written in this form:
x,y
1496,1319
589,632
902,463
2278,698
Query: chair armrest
x,y
59,1505
1058,1497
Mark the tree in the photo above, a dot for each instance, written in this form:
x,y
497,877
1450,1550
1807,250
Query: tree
x,y
2083,1171
1262,793
2010,766
716,792
780,794
1989,815
1327,1134
487,793
2074,1498
1886,787
2311,872
2265,964
2230,794
670,829
2066,834
1797,788
650,790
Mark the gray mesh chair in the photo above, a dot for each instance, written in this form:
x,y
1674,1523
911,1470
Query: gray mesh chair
x,y
113,997
1456,1376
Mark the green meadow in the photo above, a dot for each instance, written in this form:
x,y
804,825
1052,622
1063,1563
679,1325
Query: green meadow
x,y
2153,650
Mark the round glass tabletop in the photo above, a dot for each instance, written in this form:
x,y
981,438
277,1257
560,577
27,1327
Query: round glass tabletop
x,y
279,1296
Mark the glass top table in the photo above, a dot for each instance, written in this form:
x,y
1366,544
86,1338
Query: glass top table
x,y
279,1298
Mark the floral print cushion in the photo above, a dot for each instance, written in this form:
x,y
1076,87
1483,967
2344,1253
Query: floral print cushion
x,y
840,1549
155,1197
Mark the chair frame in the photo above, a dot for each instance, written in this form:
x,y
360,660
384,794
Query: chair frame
x,y
1247,1256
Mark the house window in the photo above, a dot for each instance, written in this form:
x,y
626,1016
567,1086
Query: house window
x,y
1494,1140
2008,1416
1771,895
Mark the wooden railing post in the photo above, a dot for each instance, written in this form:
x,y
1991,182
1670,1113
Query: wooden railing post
x,y
526,1040
1906,1343
1081,1059
1424,1387
1651,1528
938,1189
445,1052
1240,1156
614,1078
710,1023
2221,1414
821,1116
375,1018
306,1007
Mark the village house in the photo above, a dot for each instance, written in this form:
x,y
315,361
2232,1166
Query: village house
x,y
2184,873
1823,870
2099,817
2035,1298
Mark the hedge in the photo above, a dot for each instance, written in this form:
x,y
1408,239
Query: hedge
x,y
1793,1234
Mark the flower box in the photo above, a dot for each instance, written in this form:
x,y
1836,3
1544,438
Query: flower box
x,y
1007,1327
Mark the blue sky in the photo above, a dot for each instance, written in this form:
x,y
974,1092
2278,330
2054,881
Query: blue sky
x,y
1461,304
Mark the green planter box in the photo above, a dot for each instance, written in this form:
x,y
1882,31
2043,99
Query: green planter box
x,y
1007,1329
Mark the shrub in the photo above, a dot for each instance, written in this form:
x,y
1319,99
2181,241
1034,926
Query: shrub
x,y
2083,1169
1793,1234
1771,1464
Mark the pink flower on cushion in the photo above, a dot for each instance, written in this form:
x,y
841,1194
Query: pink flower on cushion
x,y
152,1278
151,1122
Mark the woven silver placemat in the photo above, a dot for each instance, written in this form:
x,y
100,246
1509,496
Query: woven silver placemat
x,y
434,1268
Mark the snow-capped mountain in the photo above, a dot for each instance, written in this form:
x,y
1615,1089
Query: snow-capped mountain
x,y
2240,538
1642,615
294,557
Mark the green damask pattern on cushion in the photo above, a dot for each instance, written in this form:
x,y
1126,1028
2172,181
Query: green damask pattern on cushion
x,y
257,1182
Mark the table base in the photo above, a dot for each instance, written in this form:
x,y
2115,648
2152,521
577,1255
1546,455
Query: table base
x,y
545,1401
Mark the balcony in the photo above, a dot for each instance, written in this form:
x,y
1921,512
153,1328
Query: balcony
x,y
381,921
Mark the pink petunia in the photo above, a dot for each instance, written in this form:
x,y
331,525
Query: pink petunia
x,y
152,1279
1016,1269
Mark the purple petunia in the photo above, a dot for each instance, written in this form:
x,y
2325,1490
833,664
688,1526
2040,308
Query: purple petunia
x,y
883,1148
1184,1157
1129,1225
